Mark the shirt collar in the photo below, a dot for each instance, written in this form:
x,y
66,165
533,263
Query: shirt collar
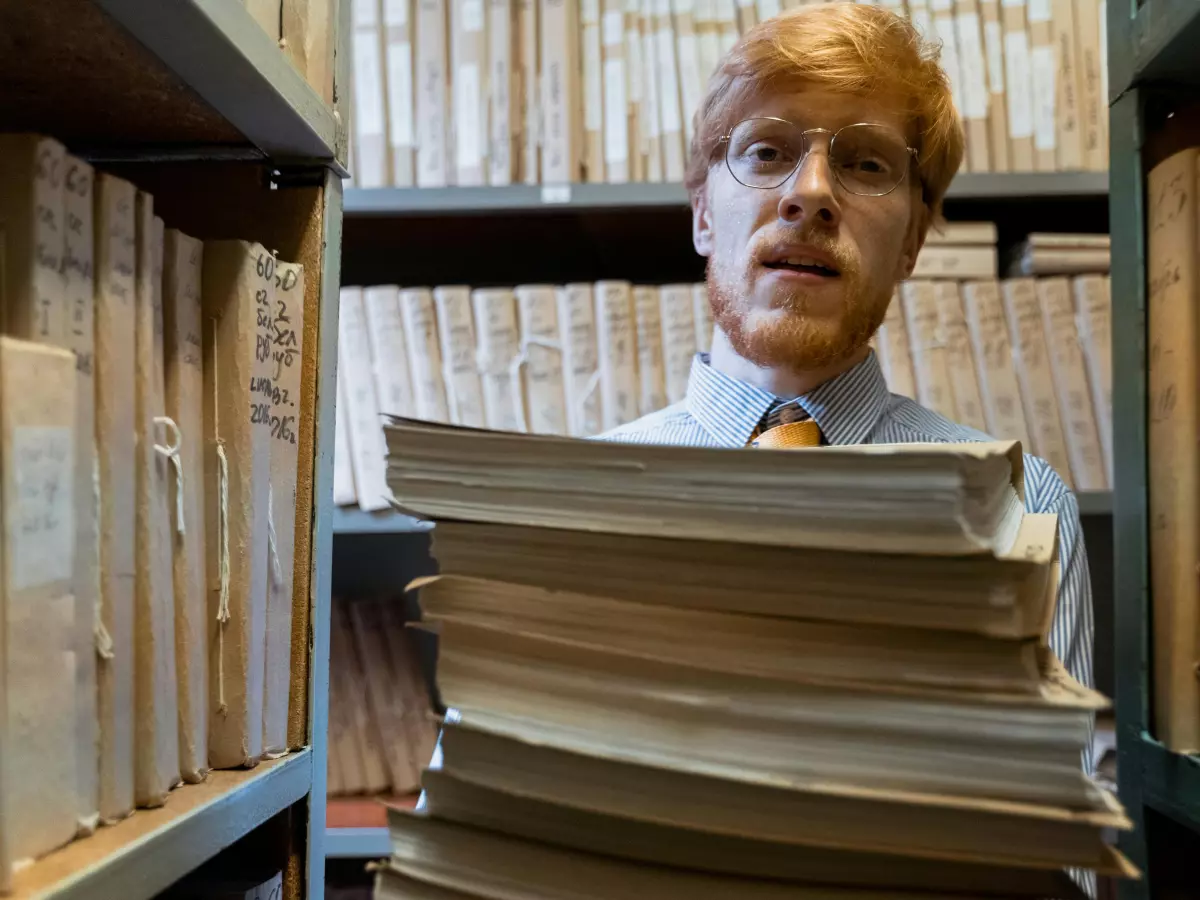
x,y
846,408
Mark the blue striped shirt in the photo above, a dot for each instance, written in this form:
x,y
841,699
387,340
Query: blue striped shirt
x,y
857,408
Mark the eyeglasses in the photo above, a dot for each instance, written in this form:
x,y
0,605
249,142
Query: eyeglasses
x,y
866,158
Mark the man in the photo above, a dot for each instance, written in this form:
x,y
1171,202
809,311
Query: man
x,y
820,158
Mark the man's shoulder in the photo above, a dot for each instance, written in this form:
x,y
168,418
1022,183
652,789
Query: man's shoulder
x,y
909,421
670,425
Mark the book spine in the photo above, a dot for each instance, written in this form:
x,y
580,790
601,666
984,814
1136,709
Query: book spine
x,y
499,357
652,146
464,393
1094,316
238,290
691,82
562,152
287,348
468,84
960,362
1033,373
1173,469
116,258
432,93
1003,410
1042,68
1018,82
370,96
1070,384
993,39
617,93
943,29
580,342
648,326
79,286
1093,93
398,65
544,400
593,91
423,351
362,406
184,380
529,113
934,390
894,350
502,97
306,27
670,111
968,32
389,359
156,711
1067,84
616,338
678,337
727,27
939,261
37,433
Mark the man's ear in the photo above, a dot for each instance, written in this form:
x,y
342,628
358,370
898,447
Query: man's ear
x,y
702,231
914,240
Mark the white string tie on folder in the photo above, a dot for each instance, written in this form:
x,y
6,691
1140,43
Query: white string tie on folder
x,y
171,452
104,641
515,367
223,543
272,541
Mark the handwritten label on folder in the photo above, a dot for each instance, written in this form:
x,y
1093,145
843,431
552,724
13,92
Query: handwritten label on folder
x,y
41,517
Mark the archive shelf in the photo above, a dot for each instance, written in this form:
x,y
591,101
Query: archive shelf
x,y
357,843
192,101
152,849
1154,70
179,78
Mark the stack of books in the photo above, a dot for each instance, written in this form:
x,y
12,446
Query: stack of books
x,y
462,92
683,672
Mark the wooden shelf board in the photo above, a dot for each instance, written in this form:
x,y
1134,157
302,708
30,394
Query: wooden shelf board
x,y
147,852
121,79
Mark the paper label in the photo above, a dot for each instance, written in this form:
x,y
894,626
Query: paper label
x,y
468,140
593,99
614,28
400,95
616,113
662,8
1020,101
941,5
472,15
1042,66
683,7
556,193
1039,11
672,121
1011,4
993,36
41,517
589,12
395,13
970,60
368,84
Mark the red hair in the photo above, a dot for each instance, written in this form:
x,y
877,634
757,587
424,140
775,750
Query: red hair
x,y
844,47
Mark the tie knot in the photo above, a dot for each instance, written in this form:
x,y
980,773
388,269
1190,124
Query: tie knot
x,y
786,425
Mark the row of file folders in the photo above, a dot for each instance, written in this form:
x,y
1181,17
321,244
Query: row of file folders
x,y
474,92
1020,358
152,422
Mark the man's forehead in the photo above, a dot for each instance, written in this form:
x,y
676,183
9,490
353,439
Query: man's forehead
x,y
814,107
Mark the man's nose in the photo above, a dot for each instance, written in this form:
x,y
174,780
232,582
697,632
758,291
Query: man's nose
x,y
811,193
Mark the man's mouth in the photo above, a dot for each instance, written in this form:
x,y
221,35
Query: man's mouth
x,y
806,264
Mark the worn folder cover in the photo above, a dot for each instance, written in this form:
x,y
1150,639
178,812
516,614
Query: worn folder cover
x,y
238,298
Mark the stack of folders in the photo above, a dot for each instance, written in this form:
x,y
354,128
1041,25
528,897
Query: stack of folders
x,y
682,672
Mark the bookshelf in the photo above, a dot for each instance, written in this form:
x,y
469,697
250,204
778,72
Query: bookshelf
x,y
192,101
1153,73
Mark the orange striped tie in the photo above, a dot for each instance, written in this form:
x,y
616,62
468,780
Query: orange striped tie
x,y
789,436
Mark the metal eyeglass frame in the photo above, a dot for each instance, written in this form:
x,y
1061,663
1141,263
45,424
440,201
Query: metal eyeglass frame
x,y
912,151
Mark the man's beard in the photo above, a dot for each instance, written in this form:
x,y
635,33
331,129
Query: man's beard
x,y
786,337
